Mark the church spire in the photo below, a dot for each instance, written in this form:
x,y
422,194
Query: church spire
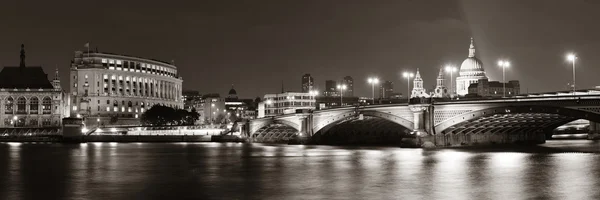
x,y
56,80
472,49
22,56
56,77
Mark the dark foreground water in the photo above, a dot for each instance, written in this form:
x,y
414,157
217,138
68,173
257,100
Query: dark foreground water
x,y
556,170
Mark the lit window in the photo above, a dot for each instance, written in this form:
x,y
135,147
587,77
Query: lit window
x,y
86,76
105,85
74,108
118,68
104,60
118,62
127,78
111,61
116,109
142,109
105,76
113,77
111,68
107,109
120,78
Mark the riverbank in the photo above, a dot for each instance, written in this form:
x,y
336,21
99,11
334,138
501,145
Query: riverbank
x,y
125,138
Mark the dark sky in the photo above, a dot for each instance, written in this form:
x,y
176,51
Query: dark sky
x,y
256,44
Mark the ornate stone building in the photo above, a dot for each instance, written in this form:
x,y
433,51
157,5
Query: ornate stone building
x,y
117,89
29,99
418,91
471,71
440,90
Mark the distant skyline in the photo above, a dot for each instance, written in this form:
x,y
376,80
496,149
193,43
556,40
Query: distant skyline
x,y
255,45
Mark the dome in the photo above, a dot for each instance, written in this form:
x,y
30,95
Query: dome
x,y
472,67
232,92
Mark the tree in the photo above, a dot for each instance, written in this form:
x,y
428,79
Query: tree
x,y
160,115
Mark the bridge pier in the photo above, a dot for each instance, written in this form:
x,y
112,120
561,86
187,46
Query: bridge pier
x,y
422,126
594,131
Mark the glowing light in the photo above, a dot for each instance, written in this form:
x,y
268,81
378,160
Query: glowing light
x,y
571,57
84,130
113,130
15,117
373,80
78,116
450,68
408,74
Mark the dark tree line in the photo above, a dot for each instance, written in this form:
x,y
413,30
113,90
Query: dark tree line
x,y
160,115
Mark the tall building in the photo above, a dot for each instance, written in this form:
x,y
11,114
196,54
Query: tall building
x,y
307,83
116,89
418,91
29,98
285,103
349,82
471,71
212,109
386,89
330,89
440,90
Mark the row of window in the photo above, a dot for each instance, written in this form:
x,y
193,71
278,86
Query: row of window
x,y
21,104
291,98
290,104
138,67
24,122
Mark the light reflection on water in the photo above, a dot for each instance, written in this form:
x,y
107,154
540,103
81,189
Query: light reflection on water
x,y
255,171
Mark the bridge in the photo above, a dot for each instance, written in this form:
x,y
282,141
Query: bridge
x,y
441,122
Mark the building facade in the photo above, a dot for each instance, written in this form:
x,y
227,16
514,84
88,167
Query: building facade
x,y
307,83
485,88
29,99
191,100
386,89
349,82
331,89
212,109
116,89
285,103
471,71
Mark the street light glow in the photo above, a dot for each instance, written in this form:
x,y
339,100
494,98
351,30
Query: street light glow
x,y
373,80
503,63
571,57
342,87
408,75
450,68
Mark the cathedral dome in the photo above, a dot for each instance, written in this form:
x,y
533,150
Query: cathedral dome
x,y
472,66
232,91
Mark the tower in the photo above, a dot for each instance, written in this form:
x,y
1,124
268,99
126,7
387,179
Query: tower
x,y
22,64
349,82
440,89
418,90
56,81
307,83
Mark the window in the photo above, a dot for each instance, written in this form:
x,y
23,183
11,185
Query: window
x,y
21,104
34,105
33,122
47,105
46,122
107,101
86,76
9,105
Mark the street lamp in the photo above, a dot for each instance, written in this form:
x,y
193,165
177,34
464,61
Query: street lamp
x,y
504,64
408,75
211,112
451,69
341,87
373,81
572,57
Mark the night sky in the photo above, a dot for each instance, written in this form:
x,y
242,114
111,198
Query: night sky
x,y
257,44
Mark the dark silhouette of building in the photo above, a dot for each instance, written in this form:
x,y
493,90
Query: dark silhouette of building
x,y
191,99
485,88
307,83
330,89
349,82
386,89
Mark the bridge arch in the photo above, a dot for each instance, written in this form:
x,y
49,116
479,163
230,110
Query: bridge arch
x,y
571,113
331,122
263,122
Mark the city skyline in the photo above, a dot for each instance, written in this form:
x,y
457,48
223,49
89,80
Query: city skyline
x,y
236,43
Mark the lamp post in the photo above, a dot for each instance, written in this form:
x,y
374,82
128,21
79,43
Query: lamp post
x,y
373,81
572,57
408,75
314,94
504,64
341,87
451,69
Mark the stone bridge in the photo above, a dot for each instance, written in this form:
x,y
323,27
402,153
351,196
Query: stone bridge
x,y
439,122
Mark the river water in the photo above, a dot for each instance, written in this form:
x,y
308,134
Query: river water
x,y
555,170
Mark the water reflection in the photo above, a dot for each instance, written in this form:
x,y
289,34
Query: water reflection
x,y
254,171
